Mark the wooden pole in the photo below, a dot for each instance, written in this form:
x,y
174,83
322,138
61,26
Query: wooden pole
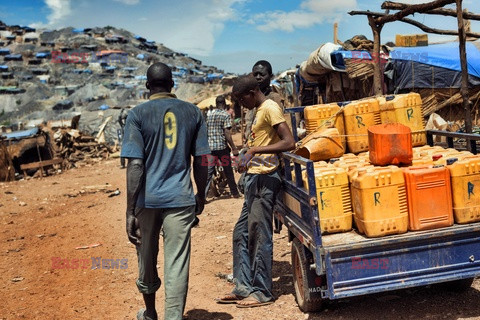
x,y
335,32
463,62
377,63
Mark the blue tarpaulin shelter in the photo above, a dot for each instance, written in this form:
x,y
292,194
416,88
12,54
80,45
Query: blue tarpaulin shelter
x,y
41,55
444,55
140,56
21,134
13,57
3,67
434,66
104,107
214,76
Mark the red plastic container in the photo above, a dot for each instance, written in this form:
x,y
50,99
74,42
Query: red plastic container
x,y
429,197
390,144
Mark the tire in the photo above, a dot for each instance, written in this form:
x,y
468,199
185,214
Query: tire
x,y
304,279
458,285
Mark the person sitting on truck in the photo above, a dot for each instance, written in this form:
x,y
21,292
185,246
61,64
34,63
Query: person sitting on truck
x,y
252,235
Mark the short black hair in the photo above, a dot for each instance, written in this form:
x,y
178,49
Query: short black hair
x,y
220,99
159,75
264,63
244,84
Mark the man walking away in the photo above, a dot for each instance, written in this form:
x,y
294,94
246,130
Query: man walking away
x,y
219,124
161,136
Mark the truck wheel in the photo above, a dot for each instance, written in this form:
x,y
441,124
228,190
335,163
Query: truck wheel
x,y
458,285
305,281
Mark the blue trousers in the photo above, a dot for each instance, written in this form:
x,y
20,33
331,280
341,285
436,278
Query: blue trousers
x,y
252,238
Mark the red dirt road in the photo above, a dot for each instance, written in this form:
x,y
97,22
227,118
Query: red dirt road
x,y
48,218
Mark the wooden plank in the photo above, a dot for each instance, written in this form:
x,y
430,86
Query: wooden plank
x,y
39,164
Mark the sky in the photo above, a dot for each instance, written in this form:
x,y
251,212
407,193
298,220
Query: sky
x,y
229,34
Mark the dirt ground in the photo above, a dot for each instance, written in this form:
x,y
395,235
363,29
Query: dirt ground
x,y
77,215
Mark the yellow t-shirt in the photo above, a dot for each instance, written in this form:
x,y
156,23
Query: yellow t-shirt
x,y
268,115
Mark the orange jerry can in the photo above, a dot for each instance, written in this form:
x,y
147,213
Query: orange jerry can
x,y
390,144
429,197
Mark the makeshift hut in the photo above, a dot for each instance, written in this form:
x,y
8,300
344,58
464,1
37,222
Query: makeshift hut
x,y
7,172
27,149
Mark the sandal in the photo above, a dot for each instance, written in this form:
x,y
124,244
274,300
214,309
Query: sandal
x,y
229,298
251,302
141,315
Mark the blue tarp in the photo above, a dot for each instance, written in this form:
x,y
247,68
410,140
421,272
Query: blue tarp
x,y
141,77
5,50
178,73
196,71
42,55
21,134
3,67
78,30
104,107
213,76
13,56
29,29
444,55
140,56
78,71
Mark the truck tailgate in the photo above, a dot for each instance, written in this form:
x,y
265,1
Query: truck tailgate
x,y
356,265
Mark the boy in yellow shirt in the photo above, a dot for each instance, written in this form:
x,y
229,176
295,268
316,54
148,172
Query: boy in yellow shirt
x,y
252,235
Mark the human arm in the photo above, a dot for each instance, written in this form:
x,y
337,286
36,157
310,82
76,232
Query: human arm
x,y
200,174
200,149
228,137
135,180
286,143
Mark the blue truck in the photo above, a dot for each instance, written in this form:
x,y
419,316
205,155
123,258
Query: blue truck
x,y
341,265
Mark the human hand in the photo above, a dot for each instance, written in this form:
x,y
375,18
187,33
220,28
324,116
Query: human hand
x,y
199,204
133,229
244,159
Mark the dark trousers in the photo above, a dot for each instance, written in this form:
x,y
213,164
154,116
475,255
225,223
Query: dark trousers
x,y
252,238
223,158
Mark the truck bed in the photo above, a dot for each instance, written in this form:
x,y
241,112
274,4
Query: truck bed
x,y
352,239
356,265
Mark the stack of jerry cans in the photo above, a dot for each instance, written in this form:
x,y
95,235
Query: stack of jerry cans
x,y
407,110
379,201
358,116
429,197
465,175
